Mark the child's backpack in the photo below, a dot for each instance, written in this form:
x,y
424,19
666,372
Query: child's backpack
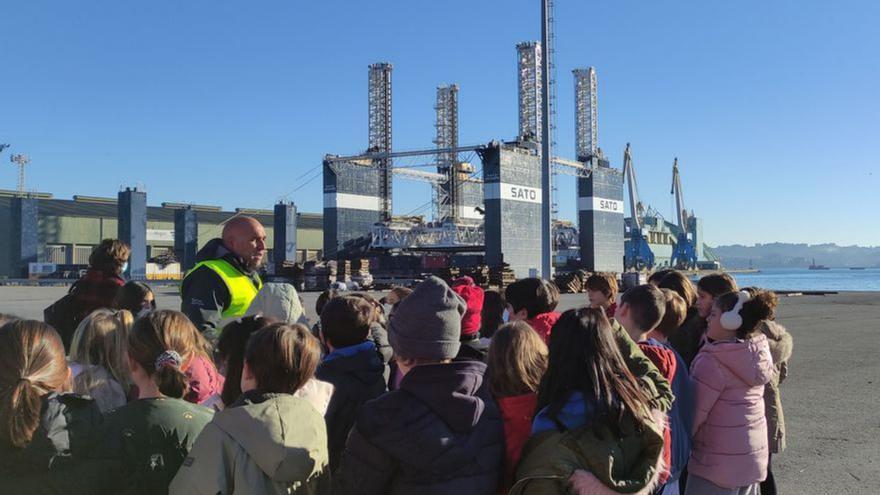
x,y
65,315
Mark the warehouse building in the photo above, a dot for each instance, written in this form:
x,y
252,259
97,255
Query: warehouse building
x,y
68,230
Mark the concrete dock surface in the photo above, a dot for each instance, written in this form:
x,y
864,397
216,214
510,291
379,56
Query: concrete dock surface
x,y
831,397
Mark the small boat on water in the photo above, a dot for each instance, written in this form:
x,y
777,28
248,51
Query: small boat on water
x,y
814,266
857,268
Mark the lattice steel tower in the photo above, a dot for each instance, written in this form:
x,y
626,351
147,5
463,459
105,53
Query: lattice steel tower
x,y
380,130
529,56
586,113
448,193
21,161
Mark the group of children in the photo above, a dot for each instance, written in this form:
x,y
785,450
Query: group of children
x,y
445,388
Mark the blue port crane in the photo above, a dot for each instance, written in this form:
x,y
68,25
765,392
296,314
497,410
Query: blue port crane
x,y
638,255
684,254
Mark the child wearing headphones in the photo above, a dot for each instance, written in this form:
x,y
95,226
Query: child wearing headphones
x,y
730,449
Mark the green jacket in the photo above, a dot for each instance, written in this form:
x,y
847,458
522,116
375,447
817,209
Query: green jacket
x,y
151,437
269,444
625,463
642,368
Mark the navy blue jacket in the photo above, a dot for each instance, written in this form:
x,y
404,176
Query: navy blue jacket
x,y
439,433
357,374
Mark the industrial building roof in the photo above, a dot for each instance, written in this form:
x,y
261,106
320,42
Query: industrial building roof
x,y
107,208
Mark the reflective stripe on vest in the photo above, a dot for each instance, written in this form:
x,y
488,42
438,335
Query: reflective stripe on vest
x,y
241,287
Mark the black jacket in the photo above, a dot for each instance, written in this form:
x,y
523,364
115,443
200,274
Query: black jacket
x,y
59,457
204,295
688,339
440,433
357,375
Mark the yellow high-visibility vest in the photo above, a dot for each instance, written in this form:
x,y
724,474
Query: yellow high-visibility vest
x,y
241,287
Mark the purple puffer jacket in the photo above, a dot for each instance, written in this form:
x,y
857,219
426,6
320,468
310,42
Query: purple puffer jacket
x,y
730,431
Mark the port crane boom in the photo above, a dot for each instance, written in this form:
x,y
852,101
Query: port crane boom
x,y
639,254
684,255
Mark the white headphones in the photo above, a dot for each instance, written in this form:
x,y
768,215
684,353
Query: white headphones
x,y
732,320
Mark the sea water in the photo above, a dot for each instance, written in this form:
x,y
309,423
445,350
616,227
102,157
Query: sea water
x,y
835,279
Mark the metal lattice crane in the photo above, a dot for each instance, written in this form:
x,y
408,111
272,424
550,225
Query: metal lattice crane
x,y
379,96
586,114
639,254
21,161
529,95
684,255
448,194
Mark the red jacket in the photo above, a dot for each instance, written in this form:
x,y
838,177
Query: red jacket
x,y
664,360
517,413
543,323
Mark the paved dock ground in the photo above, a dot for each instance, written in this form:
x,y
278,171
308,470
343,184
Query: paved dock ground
x,y
831,397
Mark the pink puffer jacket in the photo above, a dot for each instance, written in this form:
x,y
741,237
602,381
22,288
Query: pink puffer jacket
x,y
730,431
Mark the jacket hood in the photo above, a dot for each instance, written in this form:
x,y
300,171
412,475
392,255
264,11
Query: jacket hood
x,y
284,435
543,324
214,250
362,362
278,300
450,390
625,460
749,360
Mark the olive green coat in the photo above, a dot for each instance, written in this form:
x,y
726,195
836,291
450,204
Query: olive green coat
x,y
780,348
626,463
274,445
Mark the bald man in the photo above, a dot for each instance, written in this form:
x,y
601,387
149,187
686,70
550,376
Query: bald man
x,y
225,281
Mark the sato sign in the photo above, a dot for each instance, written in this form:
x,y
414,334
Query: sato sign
x,y
513,192
600,204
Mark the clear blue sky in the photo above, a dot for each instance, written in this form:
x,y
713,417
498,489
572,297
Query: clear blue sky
x,y
771,107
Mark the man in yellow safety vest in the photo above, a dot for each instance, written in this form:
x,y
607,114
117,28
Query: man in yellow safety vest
x,y
224,280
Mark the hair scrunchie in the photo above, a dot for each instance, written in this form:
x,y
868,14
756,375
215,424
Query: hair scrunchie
x,y
168,358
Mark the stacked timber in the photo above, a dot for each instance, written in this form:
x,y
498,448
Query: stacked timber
x,y
501,276
361,273
449,273
571,282
319,275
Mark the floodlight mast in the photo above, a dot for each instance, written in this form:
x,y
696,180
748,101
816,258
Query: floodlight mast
x,y
21,160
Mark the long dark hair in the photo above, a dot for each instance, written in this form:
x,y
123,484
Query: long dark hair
x,y
230,350
131,297
584,357
492,315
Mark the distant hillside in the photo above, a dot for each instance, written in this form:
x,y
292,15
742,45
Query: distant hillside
x,y
781,255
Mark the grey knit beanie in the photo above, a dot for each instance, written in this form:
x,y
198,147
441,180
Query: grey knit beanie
x,y
427,324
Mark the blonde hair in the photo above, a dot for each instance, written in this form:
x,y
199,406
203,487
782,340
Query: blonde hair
x,y
101,340
517,360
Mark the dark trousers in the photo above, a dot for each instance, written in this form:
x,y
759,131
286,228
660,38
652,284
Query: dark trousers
x,y
768,486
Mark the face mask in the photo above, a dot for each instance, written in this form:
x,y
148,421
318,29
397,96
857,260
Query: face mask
x,y
124,267
505,316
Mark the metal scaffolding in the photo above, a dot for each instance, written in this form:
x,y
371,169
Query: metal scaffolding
x,y
379,95
529,67
586,113
448,201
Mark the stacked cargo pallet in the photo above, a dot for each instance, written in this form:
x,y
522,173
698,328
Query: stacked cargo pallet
x,y
501,276
449,273
480,274
361,273
319,276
